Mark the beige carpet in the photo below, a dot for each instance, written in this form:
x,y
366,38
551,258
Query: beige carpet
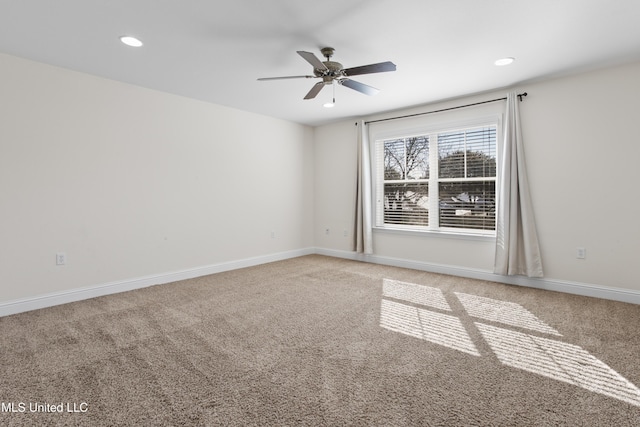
x,y
321,341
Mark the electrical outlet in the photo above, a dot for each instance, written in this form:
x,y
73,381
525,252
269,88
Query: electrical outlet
x,y
273,234
345,233
326,231
61,258
581,253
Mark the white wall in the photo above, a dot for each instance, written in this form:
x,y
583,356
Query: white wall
x,y
582,152
335,185
131,182
582,156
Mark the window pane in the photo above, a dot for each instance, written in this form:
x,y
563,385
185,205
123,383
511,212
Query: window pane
x,y
467,154
406,204
417,155
481,152
451,147
468,205
394,159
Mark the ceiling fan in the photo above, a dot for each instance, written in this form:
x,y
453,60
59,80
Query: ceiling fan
x,y
330,71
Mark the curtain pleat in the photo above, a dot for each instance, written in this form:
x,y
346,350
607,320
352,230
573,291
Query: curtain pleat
x,y
363,239
517,248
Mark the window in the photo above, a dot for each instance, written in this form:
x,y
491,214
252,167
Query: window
x,y
440,181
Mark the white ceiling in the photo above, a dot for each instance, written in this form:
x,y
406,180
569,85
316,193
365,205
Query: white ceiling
x,y
215,50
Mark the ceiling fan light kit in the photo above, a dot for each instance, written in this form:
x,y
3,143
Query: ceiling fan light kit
x,y
332,72
333,100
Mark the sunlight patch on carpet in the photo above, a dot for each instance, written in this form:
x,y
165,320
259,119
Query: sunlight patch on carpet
x,y
542,356
438,328
559,361
418,294
508,313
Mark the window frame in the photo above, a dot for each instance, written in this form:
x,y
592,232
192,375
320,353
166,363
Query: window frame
x,y
431,131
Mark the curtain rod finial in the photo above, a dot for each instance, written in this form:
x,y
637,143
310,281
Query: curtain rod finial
x,y
520,95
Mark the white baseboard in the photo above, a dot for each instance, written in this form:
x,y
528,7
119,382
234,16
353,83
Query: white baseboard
x,y
576,288
57,298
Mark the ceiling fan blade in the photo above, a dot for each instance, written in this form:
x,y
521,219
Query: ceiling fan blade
x,y
314,90
380,67
286,77
313,60
360,87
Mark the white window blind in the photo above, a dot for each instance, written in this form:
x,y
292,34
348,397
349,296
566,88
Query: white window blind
x,y
467,178
405,171
438,181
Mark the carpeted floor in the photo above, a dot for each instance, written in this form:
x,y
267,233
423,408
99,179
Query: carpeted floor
x,y
319,341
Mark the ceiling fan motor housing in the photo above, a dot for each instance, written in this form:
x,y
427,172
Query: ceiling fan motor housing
x,y
333,71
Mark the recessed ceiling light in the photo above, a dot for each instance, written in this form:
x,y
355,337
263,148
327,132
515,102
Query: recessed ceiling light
x,y
504,61
131,41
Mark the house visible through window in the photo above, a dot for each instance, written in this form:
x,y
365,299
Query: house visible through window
x,y
439,181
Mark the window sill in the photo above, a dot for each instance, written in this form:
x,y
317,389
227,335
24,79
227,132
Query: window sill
x,y
437,234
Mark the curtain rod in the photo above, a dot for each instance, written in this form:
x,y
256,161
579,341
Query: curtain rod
x,y
520,95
